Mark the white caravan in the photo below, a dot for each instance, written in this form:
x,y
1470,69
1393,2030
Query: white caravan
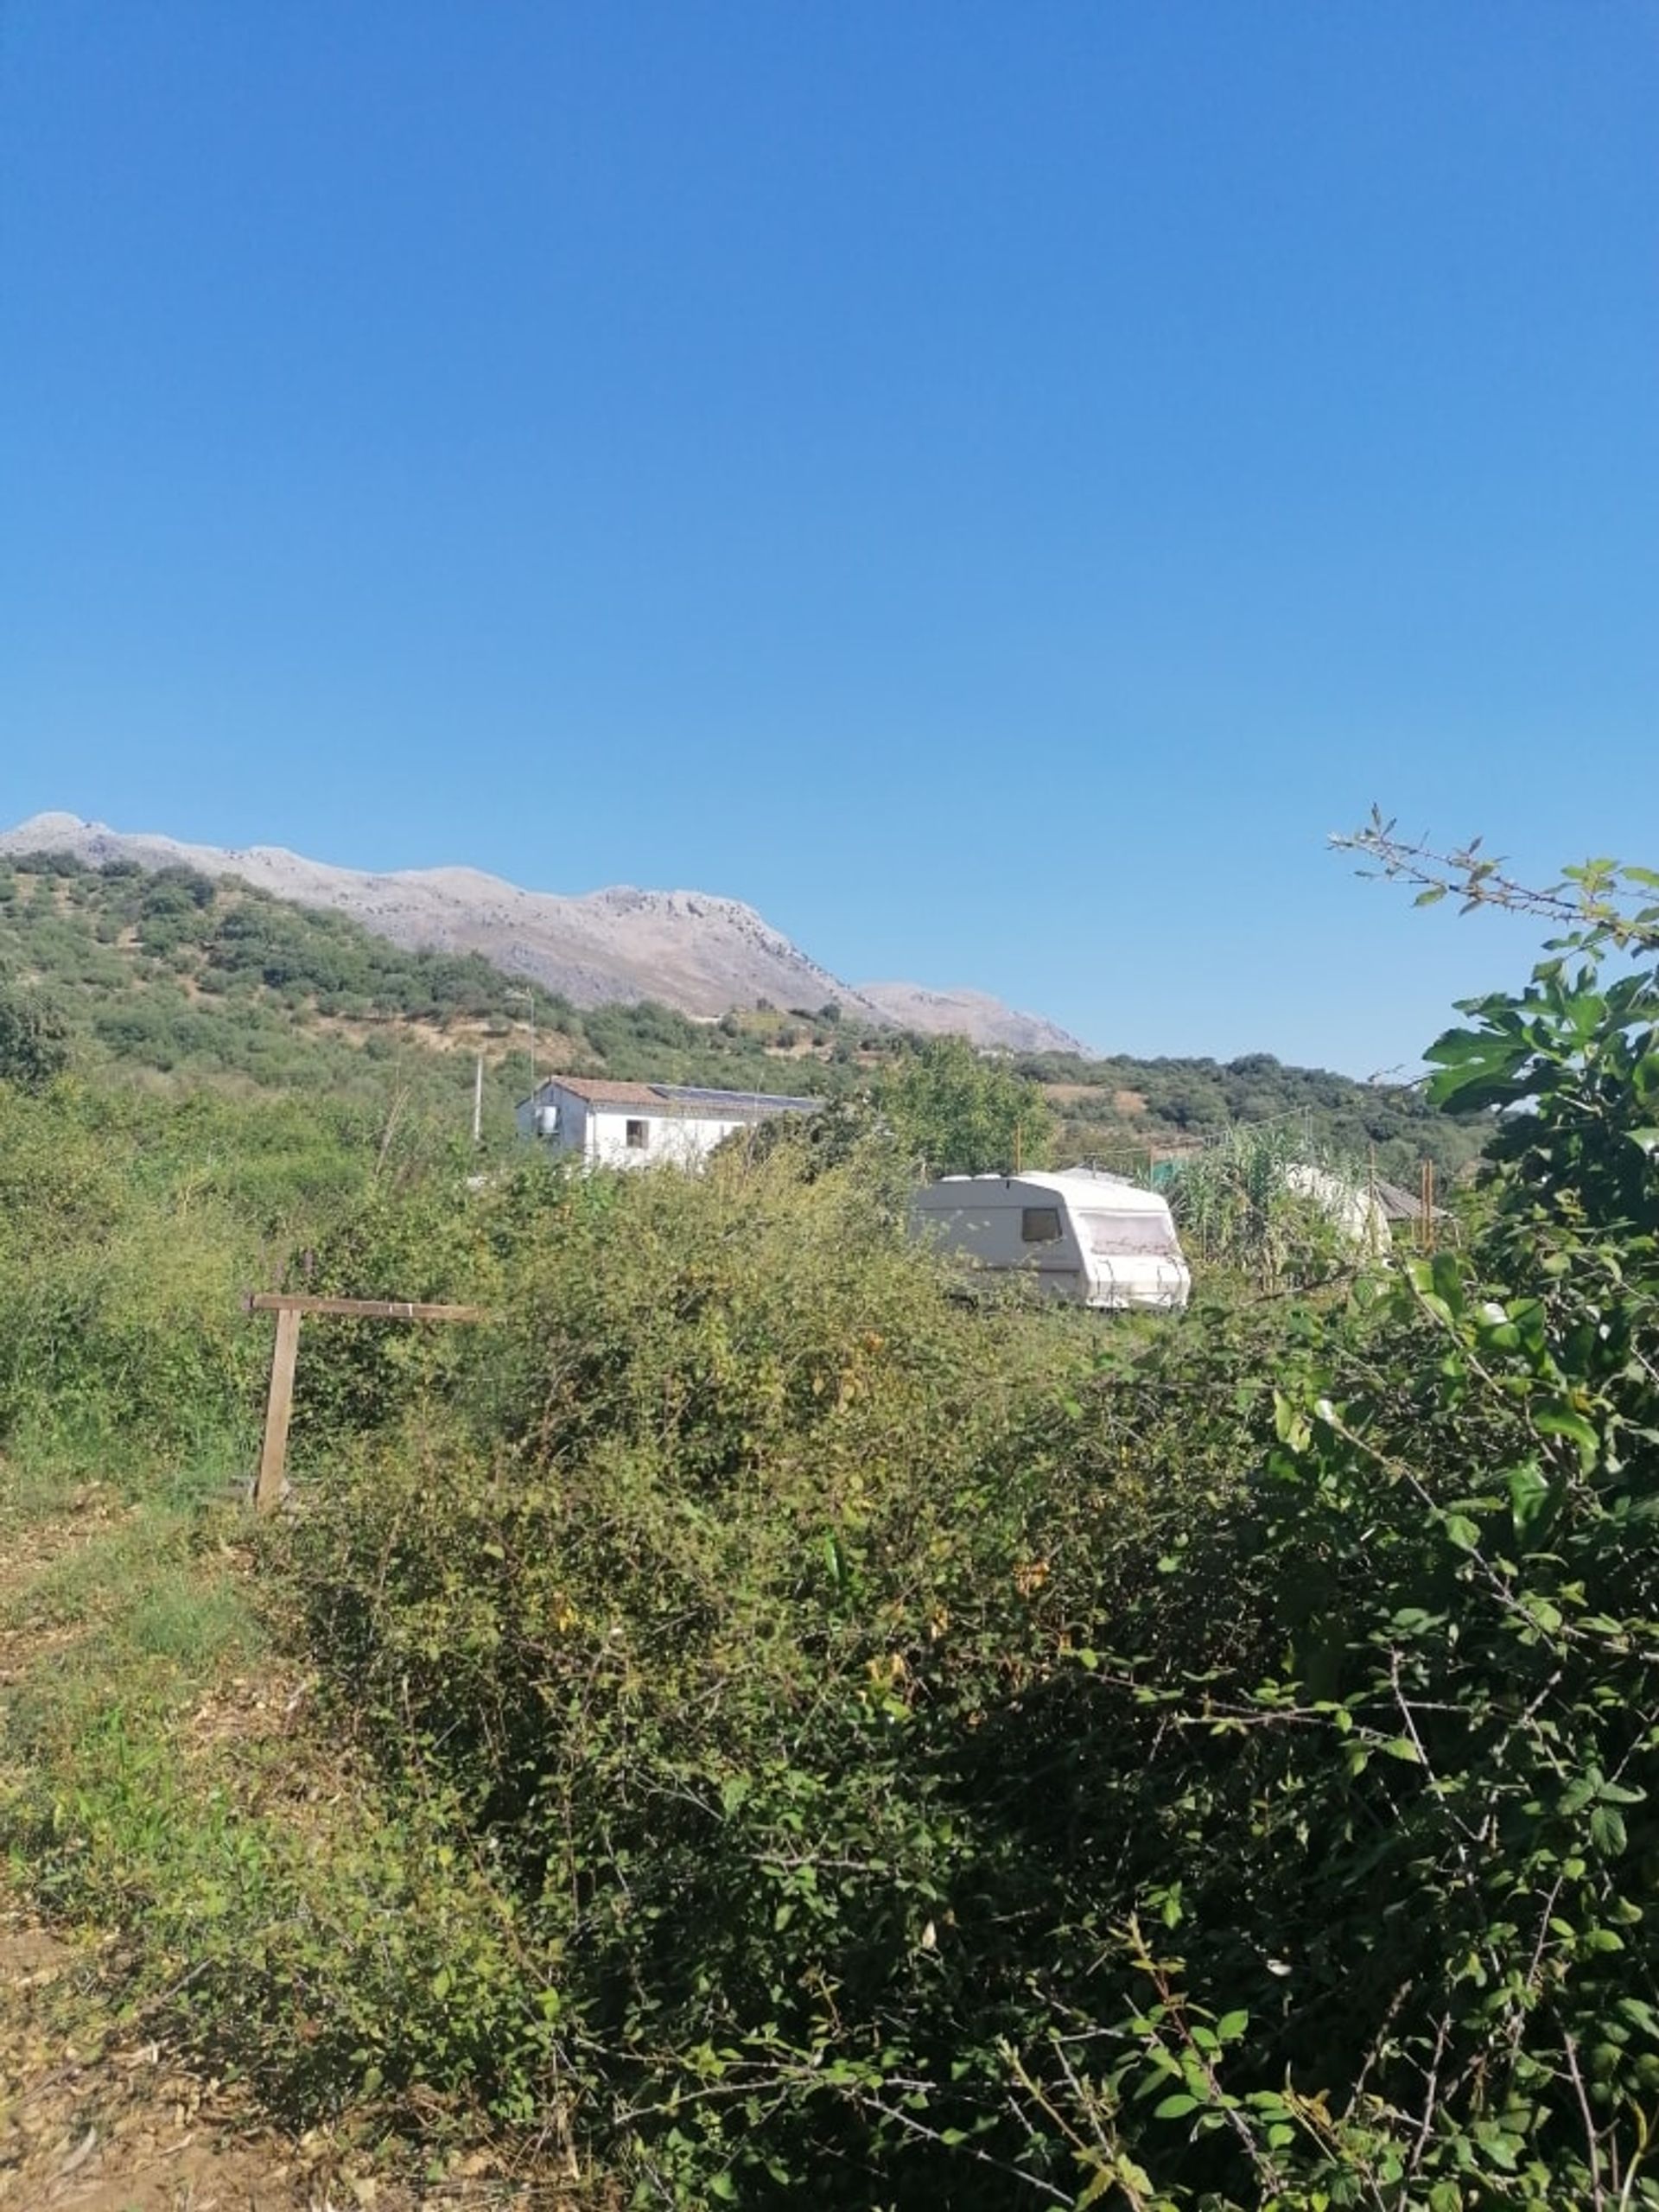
x,y
1091,1238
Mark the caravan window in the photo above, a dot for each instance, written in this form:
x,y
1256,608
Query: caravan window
x,y
1040,1224
1117,1234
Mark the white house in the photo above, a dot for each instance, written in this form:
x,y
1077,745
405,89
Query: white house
x,y
645,1124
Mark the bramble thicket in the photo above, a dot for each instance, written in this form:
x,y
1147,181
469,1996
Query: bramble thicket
x,y
794,1734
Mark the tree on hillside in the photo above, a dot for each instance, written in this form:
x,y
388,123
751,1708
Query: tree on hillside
x,y
34,1038
962,1113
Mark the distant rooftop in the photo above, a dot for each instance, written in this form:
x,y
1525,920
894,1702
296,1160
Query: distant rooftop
x,y
1400,1204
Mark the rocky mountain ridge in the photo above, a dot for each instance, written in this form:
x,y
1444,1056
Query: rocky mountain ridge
x,y
692,950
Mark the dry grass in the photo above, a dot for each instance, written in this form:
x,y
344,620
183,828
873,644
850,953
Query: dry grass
x,y
102,2109
96,2111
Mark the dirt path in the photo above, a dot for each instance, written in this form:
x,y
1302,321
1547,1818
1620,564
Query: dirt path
x,y
96,2111
99,2111
97,2118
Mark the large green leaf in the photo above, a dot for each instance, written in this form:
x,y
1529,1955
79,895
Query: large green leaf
x,y
1477,1067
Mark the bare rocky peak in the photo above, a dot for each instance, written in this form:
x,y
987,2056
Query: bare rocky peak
x,y
694,951
969,1014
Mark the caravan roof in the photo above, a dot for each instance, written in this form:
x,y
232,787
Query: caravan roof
x,y
1090,1187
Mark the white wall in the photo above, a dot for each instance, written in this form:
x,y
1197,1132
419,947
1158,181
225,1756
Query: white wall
x,y
597,1131
676,1138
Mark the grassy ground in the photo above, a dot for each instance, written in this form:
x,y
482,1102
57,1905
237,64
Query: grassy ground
x,y
163,1793
111,1634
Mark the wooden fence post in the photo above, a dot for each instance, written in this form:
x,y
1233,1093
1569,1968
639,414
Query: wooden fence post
x,y
268,1490
279,1405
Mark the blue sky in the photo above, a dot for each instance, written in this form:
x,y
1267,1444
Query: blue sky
x,y
991,486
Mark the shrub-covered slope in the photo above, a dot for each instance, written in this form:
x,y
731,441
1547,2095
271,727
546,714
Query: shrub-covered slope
x,y
179,975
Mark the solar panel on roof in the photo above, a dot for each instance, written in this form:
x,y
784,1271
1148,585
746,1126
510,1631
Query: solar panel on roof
x,y
695,1094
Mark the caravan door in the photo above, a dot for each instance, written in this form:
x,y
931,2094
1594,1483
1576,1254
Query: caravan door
x,y
1133,1259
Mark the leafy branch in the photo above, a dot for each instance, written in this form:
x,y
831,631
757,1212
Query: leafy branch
x,y
1616,903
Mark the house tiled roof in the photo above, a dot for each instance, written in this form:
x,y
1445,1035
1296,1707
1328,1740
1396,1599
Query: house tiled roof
x,y
598,1092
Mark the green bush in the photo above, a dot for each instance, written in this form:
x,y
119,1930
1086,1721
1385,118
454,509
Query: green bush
x,y
34,1039
129,1228
945,1758
685,1642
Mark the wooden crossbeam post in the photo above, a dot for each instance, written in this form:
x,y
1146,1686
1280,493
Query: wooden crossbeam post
x,y
279,1405
289,1309
360,1309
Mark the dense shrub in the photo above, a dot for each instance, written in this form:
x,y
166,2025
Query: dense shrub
x,y
128,1229
691,1641
945,1759
34,1039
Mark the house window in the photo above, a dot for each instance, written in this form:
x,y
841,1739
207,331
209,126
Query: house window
x,y
1040,1224
638,1135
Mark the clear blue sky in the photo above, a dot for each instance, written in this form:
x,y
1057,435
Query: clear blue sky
x,y
991,486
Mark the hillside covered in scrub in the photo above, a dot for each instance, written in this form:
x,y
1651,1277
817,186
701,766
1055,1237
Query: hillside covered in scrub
x,y
177,975
694,951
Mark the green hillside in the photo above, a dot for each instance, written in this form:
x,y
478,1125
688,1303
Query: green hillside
x,y
1120,1109
177,979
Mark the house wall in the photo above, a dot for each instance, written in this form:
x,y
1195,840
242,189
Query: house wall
x,y
676,1139
597,1131
573,1122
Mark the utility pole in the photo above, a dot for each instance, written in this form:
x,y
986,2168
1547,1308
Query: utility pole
x,y
477,1101
530,995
